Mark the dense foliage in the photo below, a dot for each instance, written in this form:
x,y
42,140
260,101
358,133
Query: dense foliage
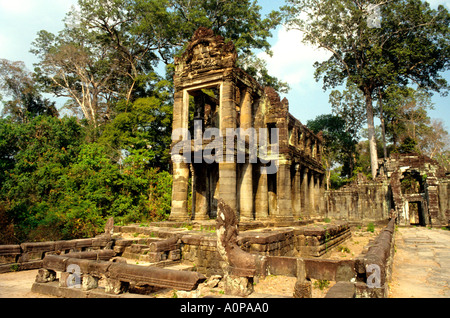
x,y
55,185
105,152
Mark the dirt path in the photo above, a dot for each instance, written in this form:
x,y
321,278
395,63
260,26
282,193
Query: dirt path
x,y
421,263
18,285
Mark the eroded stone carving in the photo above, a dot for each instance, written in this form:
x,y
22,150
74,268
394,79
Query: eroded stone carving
x,y
239,266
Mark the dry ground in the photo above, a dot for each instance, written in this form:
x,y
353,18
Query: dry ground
x,y
18,285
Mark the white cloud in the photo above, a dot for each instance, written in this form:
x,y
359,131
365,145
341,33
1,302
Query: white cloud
x,y
435,3
17,6
292,61
20,20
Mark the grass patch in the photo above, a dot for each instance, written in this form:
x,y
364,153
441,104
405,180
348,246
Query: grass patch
x,y
371,227
321,284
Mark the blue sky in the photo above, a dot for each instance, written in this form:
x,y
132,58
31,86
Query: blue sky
x,y
20,20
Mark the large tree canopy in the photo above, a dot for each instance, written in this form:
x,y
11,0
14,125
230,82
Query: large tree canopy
x,y
111,50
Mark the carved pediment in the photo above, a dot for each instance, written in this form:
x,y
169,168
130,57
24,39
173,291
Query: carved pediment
x,y
205,52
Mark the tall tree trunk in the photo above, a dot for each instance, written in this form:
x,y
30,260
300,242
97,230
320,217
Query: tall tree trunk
x,y
383,127
371,132
328,174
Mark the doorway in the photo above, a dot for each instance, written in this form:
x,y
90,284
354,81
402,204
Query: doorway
x,y
416,213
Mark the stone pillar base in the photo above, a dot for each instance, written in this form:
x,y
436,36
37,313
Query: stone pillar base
x,y
303,289
179,219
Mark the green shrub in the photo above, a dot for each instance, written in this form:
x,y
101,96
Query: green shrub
x,y
321,284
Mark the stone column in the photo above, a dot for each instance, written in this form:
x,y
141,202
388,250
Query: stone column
x,y
431,191
304,194
246,192
296,193
179,120
317,195
246,184
311,194
303,286
322,198
227,170
180,192
284,197
180,169
262,199
313,148
308,146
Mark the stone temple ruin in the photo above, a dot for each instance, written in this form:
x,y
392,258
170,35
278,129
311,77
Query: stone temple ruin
x,y
225,97
412,187
243,224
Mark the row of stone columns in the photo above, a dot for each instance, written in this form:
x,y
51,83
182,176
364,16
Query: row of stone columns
x,y
297,196
227,170
299,191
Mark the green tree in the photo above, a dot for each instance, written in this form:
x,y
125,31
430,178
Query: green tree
x,y
349,105
410,45
55,185
406,112
109,50
408,145
25,99
144,127
339,146
31,166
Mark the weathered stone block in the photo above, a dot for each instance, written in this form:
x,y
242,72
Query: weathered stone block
x,y
114,286
55,262
342,290
6,250
89,282
238,285
45,276
38,247
303,289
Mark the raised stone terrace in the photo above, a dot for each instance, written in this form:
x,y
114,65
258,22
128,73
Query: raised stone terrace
x,y
141,260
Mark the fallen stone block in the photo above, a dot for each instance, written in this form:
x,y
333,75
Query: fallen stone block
x,y
89,282
9,253
35,251
303,289
56,263
45,276
83,243
153,276
164,245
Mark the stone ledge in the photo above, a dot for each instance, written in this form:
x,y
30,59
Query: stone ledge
x,y
342,290
53,289
11,267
